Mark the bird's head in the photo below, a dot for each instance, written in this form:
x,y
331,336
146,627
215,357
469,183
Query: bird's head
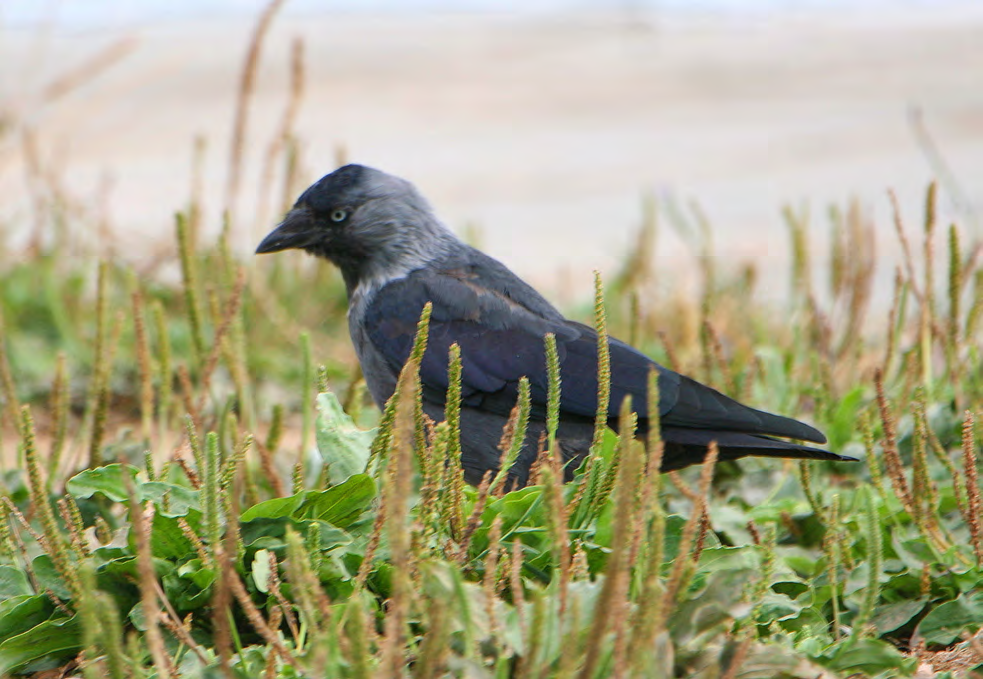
x,y
371,225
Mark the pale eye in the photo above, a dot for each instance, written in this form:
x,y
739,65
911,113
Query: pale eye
x,y
339,215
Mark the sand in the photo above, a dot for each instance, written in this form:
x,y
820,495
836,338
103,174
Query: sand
x,y
545,131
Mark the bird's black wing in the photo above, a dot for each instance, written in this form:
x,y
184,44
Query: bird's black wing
x,y
499,324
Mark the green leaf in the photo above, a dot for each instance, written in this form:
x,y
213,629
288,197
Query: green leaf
x,y
129,569
889,617
180,500
776,607
810,622
343,504
871,656
343,446
713,608
106,480
945,623
717,558
270,533
167,540
57,640
13,582
844,418
675,524
49,578
189,586
276,508
20,613
261,570
768,661
520,507
340,505
137,617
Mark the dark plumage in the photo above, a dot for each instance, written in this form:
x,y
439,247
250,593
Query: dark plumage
x,y
395,256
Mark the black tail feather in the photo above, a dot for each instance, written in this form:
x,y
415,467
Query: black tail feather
x,y
684,447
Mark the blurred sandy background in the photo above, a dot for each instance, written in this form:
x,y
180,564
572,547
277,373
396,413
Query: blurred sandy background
x,y
544,129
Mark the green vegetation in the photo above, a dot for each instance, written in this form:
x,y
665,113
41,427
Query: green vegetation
x,y
165,513
149,532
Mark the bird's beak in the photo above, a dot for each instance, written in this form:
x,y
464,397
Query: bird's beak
x,y
297,230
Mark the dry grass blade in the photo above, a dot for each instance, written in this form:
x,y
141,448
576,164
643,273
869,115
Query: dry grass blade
x,y
716,348
7,388
395,497
513,438
247,83
98,405
54,542
144,365
453,473
434,649
59,409
740,655
253,613
88,69
974,513
284,134
557,522
610,609
603,363
895,320
474,520
229,315
72,517
148,584
905,246
892,459
489,581
685,563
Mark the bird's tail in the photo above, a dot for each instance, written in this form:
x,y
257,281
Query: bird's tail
x,y
684,447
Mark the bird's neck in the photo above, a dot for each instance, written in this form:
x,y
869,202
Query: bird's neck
x,y
351,279
366,270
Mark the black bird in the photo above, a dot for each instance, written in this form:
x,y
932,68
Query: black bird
x,y
395,255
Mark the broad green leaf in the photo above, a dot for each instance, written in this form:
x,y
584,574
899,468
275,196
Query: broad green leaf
x,y
189,586
716,604
520,507
810,623
871,656
946,623
49,578
343,504
137,617
261,571
889,617
20,613
276,508
914,553
768,661
129,568
675,524
13,582
343,446
106,480
179,499
790,588
843,422
167,540
57,640
776,607
270,533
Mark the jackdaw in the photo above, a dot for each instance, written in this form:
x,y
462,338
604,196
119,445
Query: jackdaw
x,y
395,255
